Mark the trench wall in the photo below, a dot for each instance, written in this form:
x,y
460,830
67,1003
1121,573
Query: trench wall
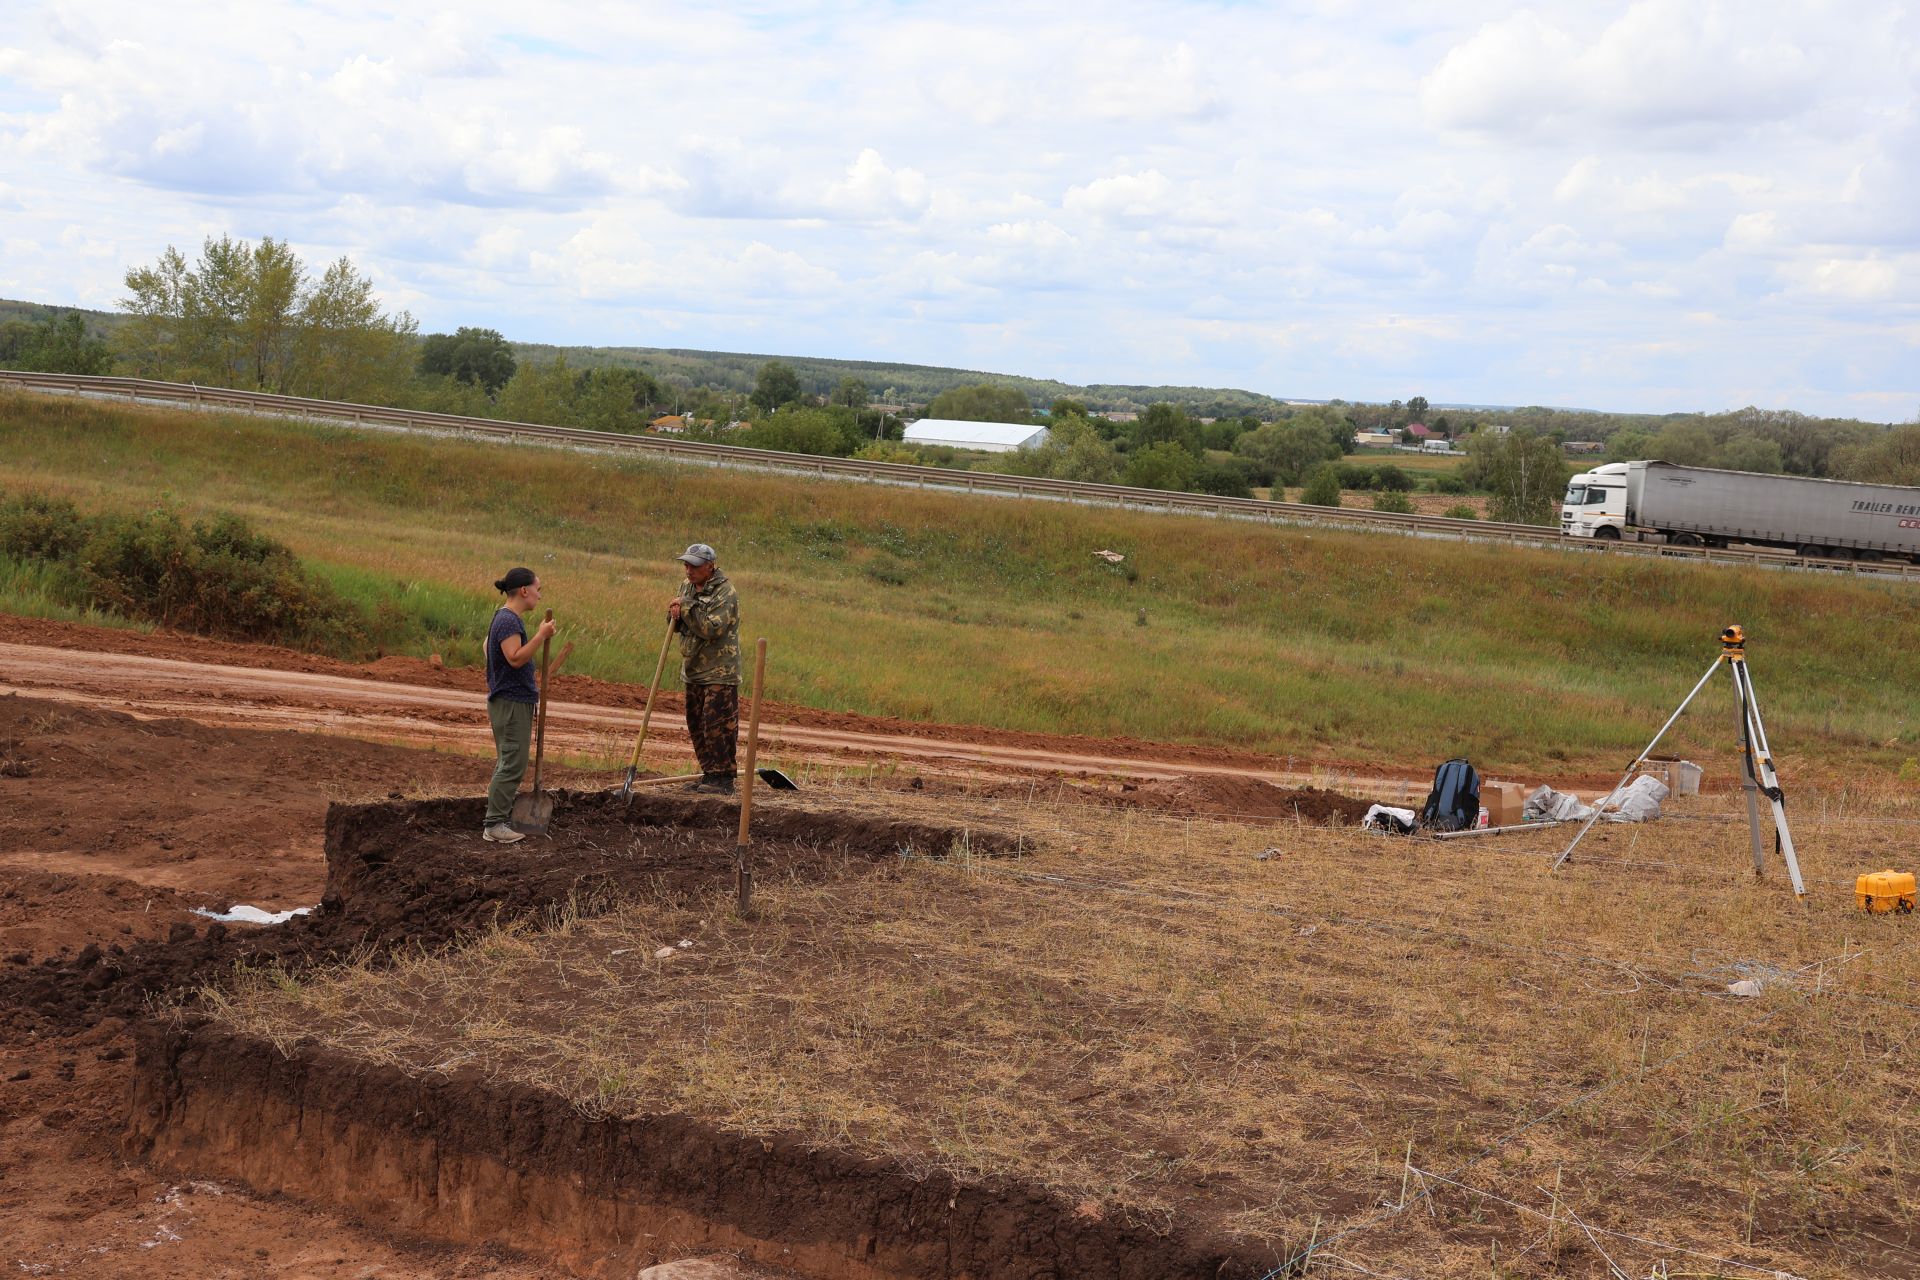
x,y
459,1159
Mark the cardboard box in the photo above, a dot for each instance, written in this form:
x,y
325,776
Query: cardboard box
x,y
1681,776
1504,802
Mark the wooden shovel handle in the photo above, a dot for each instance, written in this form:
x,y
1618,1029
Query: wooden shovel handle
x,y
646,717
540,726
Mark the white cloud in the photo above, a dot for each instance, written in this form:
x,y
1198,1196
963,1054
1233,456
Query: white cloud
x,y
1663,65
1328,199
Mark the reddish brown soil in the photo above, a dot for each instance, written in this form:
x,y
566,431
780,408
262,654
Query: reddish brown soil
x,y
540,1169
417,874
201,816
1224,795
1009,748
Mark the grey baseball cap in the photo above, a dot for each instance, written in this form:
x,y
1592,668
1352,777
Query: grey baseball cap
x,y
698,553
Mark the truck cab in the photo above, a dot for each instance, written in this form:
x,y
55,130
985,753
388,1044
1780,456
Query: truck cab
x,y
1596,503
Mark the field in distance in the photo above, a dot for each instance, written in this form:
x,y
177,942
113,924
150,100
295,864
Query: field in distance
x,y
971,610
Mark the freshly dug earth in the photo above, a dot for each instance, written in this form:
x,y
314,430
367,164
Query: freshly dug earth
x,y
1229,796
204,816
463,1153
417,874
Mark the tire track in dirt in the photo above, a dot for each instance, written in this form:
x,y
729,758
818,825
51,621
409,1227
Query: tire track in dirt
x,y
361,706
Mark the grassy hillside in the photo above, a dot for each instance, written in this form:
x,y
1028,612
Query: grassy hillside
x,y
974,610
909,383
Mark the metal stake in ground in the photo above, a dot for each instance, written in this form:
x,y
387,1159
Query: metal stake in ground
x,y
1756,761
646,717
532,813
743,854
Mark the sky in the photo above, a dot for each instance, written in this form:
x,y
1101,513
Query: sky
x,y
1671,205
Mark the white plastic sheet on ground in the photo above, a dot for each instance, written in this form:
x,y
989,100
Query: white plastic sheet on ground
x,y
1377,819
241,913
1638,801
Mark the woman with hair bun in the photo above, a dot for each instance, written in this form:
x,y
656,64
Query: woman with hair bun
x,y
512,695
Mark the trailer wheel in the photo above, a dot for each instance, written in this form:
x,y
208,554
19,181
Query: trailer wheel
x,y
1685,540
1607,533
1869,556
1808,551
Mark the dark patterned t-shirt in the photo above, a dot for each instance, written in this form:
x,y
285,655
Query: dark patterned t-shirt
x,y
504,680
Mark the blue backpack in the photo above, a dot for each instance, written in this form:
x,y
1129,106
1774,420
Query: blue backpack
x,y
1454,803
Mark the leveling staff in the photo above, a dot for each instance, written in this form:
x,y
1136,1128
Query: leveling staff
x,y
706,613
512,695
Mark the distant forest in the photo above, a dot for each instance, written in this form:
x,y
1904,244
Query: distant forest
x,y
254,315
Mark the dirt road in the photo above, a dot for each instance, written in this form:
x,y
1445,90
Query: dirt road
x,y
405,701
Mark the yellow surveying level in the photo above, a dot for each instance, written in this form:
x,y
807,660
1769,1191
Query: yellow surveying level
x,y
1758,776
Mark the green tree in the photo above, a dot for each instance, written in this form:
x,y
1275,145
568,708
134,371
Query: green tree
x,y
1751,454
1066,407
1630,446
852,392
1393,500
612,400
1525,473
541,391
55,344
247,315
1166,424
1074,450
479,357
984,402
1323,486
1225,478
1161,466
345,347
1893,458
1288,449
777,385
1417,409
1689,444
832,431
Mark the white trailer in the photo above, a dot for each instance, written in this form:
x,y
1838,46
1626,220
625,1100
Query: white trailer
x,y
1700,506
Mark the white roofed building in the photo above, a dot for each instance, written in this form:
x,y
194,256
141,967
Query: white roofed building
x,y
989,437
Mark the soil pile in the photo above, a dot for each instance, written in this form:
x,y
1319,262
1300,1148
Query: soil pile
x,y
418,874
1231,796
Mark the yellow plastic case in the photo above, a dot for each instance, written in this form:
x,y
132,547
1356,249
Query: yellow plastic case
x,y
1880,891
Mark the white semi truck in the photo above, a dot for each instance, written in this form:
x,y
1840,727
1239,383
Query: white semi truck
x,y
1702,507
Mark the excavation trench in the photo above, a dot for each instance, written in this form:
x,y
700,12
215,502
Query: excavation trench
x,y
463,1158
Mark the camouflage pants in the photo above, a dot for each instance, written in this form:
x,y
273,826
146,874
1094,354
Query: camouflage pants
x,y
713,722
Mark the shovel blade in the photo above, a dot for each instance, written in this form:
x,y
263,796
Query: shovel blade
x,y
532,812
777,780
626,787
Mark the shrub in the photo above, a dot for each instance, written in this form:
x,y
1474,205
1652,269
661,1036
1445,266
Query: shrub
x,y
1356,475
1393,500
1323,486
1450,482
35,527
220,577
1225,479
1388,476
1461,511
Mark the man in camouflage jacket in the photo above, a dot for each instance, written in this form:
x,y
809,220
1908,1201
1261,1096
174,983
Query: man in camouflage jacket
x,y
706,613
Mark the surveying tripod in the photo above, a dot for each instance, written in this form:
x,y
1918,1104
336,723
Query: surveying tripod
x,y
1756,761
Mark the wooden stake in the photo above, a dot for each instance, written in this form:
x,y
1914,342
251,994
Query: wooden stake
x,y
743,854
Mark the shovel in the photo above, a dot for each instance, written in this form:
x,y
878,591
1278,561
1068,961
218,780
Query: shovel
x,y
532,812
633,765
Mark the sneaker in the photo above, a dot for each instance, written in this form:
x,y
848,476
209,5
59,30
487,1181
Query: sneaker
x,y
501,833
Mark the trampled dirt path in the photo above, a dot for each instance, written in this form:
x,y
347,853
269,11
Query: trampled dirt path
x,y
410,701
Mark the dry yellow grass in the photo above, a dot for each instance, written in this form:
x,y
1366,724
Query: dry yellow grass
x,y
1145,1012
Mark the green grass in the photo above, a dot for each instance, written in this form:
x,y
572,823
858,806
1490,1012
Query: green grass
x,y
990,611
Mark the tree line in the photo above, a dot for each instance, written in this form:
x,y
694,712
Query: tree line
x,y
255,315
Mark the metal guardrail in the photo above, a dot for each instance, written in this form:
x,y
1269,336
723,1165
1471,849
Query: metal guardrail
x,y
991,483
